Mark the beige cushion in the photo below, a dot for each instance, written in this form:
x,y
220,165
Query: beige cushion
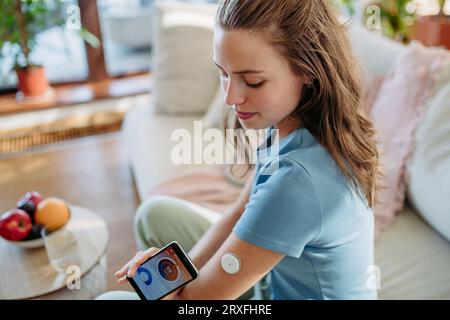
x,y
414,260
185,76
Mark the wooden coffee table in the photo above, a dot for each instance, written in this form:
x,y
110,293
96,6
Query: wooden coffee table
x,y
26,273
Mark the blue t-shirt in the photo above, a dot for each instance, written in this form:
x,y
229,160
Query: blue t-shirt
x,y
307,210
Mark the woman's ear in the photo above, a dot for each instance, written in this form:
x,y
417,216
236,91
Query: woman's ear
x,y
308,80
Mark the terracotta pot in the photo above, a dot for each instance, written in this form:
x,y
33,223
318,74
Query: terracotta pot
x,y
433,31
32,81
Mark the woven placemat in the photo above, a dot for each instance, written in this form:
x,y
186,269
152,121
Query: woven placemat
x,y
72,127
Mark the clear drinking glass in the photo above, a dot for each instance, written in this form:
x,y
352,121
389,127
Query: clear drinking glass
x,y
61,247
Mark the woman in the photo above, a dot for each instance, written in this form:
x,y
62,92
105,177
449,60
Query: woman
x,y
286,65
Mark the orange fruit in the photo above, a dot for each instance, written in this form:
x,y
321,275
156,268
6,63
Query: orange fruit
x,y
53,213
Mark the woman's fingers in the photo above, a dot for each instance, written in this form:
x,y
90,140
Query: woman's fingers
x,y
122,280
130,268
123,271
140,259
146,254
133,265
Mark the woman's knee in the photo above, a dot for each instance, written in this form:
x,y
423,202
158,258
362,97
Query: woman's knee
x,y
149,215
151,208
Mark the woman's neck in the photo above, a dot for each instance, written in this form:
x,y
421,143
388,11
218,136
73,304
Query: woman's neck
x,y
287,126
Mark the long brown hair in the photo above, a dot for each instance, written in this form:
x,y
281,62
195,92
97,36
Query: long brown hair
x,y
309,35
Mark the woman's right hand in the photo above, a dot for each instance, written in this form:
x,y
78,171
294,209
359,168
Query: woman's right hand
x,y
130,268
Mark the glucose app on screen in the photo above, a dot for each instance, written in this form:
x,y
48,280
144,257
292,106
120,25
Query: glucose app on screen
x,y
161,274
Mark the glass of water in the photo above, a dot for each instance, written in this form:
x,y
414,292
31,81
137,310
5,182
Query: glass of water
x,y
61,247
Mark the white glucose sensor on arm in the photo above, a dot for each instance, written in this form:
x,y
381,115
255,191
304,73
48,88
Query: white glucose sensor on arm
x,y
230,263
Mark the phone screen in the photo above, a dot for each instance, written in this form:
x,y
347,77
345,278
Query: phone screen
x,y
162,273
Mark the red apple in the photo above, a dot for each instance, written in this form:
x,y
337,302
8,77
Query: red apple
x,y
15,225
34,196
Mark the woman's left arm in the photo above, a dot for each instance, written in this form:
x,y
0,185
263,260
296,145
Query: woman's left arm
x,y
214,283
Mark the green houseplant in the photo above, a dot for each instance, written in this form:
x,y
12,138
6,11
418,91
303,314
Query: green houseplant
x,y
397,18
20,22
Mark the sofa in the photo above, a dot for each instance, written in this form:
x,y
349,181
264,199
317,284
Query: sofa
x,y
412,258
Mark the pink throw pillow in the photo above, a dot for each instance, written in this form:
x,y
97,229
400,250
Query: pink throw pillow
x,y
397,110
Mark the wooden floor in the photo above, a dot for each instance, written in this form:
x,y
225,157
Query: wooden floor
x,y
90,172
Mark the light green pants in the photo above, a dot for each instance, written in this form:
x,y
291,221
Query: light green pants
x,y
163,219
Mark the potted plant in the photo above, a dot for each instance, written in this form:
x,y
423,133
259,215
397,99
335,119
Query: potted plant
x,y
20,22
434,30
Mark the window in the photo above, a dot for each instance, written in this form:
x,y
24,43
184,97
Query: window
x,y
127,34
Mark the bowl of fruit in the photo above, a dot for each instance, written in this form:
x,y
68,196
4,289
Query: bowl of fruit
x,y
23,225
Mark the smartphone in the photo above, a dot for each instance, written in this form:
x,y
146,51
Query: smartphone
x,y
166,271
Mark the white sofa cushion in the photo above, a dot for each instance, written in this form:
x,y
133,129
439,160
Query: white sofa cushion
x,y
184,74
413,260
429,167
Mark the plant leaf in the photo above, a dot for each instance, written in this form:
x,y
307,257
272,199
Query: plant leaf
x,y
90,38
